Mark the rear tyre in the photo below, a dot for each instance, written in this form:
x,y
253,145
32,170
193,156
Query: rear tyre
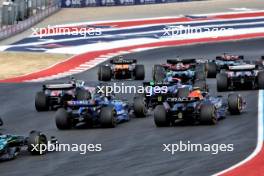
x,y
63,119
207,114
234,104
107,117
38,140
140,108
211,70
261,80
104,73
41,102
160,116
139,72
222,82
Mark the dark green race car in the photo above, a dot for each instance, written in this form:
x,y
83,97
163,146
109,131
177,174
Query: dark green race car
x,y
12,145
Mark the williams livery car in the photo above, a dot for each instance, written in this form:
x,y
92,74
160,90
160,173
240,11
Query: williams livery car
x,y
185,69
100,110
223,62
12,145
55,95
196,107
242,76
120,68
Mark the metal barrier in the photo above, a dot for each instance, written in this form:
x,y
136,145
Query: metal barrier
x,y
10,30
91,3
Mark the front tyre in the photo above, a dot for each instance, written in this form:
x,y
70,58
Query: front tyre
x,y
36,143
235,104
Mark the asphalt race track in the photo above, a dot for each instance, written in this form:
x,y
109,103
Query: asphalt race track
x,y
133,148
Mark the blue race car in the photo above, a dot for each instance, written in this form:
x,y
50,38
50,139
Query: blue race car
x,y
223,62
196,107
12,145
101,110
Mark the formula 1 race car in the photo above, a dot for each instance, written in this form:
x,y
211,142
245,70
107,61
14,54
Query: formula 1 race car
x,y
105,111
120,68
243,76
223,62
201,108
55,95
12,145
157,92
185,69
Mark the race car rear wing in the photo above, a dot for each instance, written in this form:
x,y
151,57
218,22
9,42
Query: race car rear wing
x,y
123,61
59,86
246,67
184,61
224,59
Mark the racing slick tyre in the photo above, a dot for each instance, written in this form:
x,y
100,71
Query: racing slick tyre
x,y
211,70
158,73
41,102
183,92
83,94
160,116
139,72
107,117
235,104
140,108
104,73
200,75
201,84
221,82
208,114
261,80
62,119
1,122
36,142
